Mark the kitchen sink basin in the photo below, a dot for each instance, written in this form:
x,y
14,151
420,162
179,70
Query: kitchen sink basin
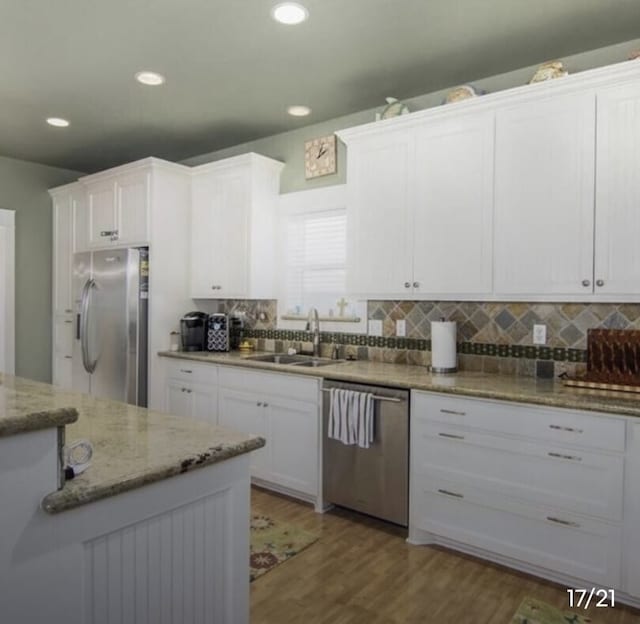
x,y
292,360
314,363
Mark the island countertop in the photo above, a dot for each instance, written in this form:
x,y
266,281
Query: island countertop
x,y
472,384
30,406
133,446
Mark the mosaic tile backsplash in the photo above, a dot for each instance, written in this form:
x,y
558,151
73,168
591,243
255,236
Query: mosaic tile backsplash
x,y
492,337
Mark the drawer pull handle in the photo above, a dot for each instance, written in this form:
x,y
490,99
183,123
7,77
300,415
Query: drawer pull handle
x,y
68,321
449,493
185,370
563,522
453,436
68,357
561,456
570,429
448,411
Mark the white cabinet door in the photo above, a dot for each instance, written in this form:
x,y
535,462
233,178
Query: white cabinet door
x,y
244,412
63,248
293,444
204,403
632,513
177,401
132,208
453,206
617,253
197,401
101,213
219,235
544,197
63,327
379,249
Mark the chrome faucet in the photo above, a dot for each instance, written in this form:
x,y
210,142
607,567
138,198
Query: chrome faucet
x,y
313,316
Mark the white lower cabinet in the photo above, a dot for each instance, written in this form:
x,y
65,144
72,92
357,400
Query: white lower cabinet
x,y
632,513
540,491
285,410
191,390
242,411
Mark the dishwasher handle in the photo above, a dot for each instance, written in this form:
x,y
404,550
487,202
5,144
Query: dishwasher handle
x,y
376,397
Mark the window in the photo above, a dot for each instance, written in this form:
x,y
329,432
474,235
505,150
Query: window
x,y
314,247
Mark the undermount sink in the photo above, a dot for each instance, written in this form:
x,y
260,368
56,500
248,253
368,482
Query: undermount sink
x,y
315,363
293,360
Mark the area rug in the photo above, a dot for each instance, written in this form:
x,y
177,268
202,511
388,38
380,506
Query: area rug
x,y
273,543
533,611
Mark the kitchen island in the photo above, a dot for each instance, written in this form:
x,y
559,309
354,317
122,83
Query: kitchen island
x,y
156,530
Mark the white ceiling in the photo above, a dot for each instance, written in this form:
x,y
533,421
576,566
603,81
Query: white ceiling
x,y
232,71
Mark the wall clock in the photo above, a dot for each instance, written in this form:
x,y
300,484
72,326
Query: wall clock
x,y
320,156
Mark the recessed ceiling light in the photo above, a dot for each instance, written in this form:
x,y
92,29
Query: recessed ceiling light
x,y
149,78
299,111
58,122
290,13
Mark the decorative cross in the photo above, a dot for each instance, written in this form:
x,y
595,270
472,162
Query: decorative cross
x,y
342,304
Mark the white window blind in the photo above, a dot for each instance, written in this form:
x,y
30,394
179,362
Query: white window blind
x,y
315,261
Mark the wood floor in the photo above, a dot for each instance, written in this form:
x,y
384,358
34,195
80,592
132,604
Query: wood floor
x,y
361,571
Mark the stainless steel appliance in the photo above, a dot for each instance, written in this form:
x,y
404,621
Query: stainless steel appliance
x,y
193,330
374,481
111,290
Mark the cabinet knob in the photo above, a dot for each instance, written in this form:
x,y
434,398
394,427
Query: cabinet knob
x,y
265,405
586,283
600,283
416,284
259,404
216,288
407,284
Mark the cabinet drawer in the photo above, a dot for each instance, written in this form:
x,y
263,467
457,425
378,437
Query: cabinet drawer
x,y
561,426
273,384
564,543
581,481
189,371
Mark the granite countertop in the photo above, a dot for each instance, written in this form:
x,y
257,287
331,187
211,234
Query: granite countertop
x,y
482,385
133,446
29,406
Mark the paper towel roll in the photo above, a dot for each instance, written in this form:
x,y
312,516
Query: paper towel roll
x,y
443,347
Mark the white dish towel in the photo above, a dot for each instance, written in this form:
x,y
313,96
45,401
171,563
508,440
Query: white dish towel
x,y
351,417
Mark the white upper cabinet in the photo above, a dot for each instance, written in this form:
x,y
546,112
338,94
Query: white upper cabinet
x,y
379,249
617,248
453,206
233,228
67,201
412,224
544,196
117,210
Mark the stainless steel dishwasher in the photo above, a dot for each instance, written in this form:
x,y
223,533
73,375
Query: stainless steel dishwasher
x,y
374,481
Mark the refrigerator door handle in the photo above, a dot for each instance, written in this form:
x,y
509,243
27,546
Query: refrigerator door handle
x,y
89,366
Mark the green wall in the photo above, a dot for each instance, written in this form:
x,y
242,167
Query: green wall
x,y
288,147
23,188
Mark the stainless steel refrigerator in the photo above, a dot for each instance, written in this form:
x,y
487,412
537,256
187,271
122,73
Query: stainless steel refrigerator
x,y
111,305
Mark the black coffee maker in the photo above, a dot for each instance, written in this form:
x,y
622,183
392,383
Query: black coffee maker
x,y
193,330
